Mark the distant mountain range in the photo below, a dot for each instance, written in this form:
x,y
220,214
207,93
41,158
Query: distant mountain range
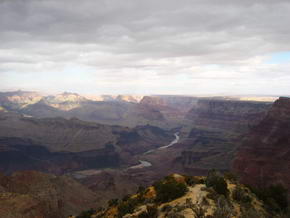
x,y
126,110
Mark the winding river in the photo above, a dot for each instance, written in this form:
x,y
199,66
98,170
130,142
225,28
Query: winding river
x,y
144,163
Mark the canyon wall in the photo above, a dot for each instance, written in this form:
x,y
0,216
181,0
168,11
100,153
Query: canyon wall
x,y
264,154
227,115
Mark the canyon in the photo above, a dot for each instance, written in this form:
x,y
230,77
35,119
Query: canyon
x,y
114,144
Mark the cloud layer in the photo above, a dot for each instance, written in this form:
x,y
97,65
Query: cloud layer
x,y
129,46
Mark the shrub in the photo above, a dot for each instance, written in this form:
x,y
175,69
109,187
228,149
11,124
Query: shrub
x,y
87,213
166,208
141,190
126,197
241,196
198,211
204,202
113,202
174,214
169,190
274,197
250,213
224,208
279,194
212,194
192,180
231,177
217,182
152,212
127,206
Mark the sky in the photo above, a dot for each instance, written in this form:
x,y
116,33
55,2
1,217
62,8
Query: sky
x,y
190,47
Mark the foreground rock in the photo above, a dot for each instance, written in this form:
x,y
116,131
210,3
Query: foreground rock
x,y
188,196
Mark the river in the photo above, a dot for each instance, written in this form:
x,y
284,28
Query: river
x,y
144,163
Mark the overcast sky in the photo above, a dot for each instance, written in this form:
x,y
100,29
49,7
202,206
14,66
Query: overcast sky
x,y
146,46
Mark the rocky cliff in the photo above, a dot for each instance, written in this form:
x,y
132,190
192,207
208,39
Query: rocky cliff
x,y
18,99
31,194
188,196
264,154
227,115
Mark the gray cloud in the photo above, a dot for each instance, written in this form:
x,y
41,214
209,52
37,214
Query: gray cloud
x,y
158,38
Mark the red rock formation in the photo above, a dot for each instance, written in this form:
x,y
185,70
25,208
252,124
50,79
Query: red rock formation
x,y
32,194
229,115
264,155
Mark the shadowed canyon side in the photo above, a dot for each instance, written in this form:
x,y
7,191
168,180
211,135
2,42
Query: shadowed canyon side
x,y
30,194
215,127
59,145
263,157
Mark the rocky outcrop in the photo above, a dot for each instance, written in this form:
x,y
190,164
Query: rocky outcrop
x,y
65,101
31,194
227,115
129,98
264,154
18,99
188,196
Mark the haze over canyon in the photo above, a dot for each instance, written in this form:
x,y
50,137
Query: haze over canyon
x,y
144,109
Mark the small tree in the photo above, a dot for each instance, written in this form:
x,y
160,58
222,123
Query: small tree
x,y
113,202
240,195
87,213
169,190
217,182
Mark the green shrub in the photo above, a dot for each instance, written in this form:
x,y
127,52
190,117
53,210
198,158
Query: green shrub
x,y
192,180
251,213
217,182
128,206
87,213
241,196
224,208
169,190
141,190
174,214
212,194
231,177
113,202
126,197
274,197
